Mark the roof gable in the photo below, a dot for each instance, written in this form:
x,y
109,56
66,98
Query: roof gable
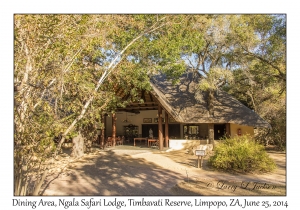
x,y
186,104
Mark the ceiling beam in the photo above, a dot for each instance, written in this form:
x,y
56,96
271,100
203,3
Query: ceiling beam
x,y
153,102
138,108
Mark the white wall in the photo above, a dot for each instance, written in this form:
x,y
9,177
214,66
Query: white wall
x,y
244,129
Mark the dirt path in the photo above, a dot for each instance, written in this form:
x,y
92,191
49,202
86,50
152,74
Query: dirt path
x,y
125,171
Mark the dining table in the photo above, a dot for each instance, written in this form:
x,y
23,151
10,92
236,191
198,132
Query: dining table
x,y
139,139
151,141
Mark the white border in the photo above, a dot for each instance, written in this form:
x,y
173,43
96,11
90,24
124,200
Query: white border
x,y
8,8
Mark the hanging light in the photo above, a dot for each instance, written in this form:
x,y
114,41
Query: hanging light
x,y
126,120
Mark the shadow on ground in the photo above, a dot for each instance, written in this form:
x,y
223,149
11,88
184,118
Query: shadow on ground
x,y
108,173
139,171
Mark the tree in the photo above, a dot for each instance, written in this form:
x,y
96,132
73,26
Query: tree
x,y
69,70
260,79
48,58
63,66
246,56
209,52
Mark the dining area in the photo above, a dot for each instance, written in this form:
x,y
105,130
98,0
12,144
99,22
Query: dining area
x,y
138,141
150,142
118,141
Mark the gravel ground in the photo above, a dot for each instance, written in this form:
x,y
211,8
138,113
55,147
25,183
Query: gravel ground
x,y
139,171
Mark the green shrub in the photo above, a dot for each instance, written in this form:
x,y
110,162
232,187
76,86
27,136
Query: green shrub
x,y
242,154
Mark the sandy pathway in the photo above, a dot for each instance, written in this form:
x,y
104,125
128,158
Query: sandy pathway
x,y
123,171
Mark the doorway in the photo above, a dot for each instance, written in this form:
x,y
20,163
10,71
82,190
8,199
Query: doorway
x,y
219,131
146,128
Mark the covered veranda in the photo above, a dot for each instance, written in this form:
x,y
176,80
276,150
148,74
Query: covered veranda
x,y
134,122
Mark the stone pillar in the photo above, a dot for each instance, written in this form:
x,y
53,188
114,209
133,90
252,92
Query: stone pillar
x,y
211,133
160,129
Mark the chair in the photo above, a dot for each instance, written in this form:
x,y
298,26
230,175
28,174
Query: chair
x,y
122,140
125,140
109,142
119,141
155,145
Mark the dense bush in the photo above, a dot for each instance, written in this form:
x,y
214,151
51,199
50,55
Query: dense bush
x,y
242,154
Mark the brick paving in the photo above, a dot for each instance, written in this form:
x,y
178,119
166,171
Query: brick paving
x,y
135,171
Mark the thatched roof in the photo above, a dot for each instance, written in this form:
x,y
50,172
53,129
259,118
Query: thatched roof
x,y
186,104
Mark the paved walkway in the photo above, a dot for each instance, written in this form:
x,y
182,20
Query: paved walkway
x,y
127,171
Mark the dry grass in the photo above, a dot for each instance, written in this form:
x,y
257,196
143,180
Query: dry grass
x,y
216,187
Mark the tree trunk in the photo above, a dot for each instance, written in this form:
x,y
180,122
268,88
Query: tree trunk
x,y
78,146
210,103
39,185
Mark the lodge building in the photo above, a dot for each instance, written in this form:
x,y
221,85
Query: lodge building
x,y
180,113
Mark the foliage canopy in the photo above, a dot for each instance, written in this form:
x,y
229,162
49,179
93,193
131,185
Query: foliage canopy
x,y
68,69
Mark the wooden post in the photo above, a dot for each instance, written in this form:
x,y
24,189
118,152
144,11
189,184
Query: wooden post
x,y
166,129
105,126
114,129
102,131
160,129
228,130
200,161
